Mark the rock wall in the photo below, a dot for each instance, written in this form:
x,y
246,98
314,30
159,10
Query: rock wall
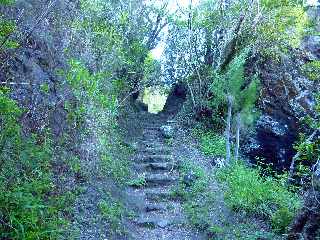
x,y
286,96
31,69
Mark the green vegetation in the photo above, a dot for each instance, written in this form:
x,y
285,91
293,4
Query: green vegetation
x,y
308,149
114,212
7,28
203,203
312,70
45,88
137,182
233,82
286,26
247,190
198,200
168,141
98,102
30,206
7,2
215,50
212,144
117,169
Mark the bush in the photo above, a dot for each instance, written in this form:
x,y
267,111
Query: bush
x,y
7,28
248,191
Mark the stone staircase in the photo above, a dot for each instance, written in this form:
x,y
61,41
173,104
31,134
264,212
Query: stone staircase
x,y
160,216
155,162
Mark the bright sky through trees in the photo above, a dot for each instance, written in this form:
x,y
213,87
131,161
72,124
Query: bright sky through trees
x,y
174,5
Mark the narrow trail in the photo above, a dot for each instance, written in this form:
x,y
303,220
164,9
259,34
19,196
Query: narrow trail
x,y
158,215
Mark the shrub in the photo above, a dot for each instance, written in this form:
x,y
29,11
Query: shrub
x,y
234,82
266,196
7,28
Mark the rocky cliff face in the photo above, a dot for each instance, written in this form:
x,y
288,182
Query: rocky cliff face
x,y
31,69
286,96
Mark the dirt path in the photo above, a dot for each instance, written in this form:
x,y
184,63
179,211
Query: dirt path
x,y
158,215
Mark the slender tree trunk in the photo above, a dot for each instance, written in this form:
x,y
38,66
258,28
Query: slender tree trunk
x,y
228,130
236,151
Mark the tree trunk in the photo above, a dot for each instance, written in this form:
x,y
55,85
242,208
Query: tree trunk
x,y
228,129
236,151
230,49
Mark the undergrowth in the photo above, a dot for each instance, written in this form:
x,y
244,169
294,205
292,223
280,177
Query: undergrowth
x,y
140,181
312,70
247,190
205,209
95,114
30,208
213,144
113,211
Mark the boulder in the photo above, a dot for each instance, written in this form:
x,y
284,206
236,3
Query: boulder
x,y
167,131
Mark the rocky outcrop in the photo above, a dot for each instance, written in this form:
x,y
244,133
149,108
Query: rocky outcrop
x,y
31,69
286,96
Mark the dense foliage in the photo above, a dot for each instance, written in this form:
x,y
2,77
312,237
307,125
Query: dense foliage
x,y
214,60
219,39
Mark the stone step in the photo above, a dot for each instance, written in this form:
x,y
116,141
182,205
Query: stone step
x,y
154,180
151,130
151,138
155,207
152,127
156,150
151,144
156,158
151,221
158,194
162,166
